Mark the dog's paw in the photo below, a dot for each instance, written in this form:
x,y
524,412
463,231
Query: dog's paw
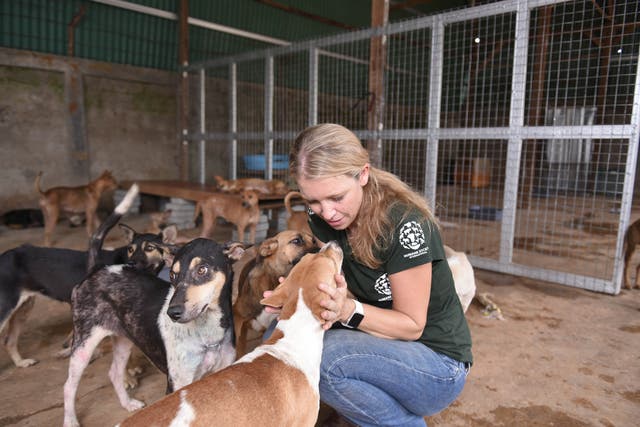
x,y
64,353
131,377
25,363
133,405
70,422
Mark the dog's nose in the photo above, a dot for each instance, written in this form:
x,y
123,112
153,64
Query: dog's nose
x,y
175,312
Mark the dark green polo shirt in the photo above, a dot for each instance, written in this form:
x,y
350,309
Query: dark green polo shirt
x,y
416,241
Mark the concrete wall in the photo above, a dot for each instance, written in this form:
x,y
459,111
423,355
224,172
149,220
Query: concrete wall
x,y
119,118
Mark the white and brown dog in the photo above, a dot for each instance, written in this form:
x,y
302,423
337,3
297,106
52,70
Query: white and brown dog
x,y
463,277
241,210
272,259
277,383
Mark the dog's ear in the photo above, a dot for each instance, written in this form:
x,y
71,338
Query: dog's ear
x,y
169,234
168,252
129,232
268,247
233,250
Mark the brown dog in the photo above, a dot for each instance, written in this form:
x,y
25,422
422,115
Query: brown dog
x,y
158,221
241,210
262,186
274,258
631,240
83,199
277,384
298,220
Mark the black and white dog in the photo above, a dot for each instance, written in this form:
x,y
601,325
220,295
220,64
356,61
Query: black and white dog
x,y
29,270
184,328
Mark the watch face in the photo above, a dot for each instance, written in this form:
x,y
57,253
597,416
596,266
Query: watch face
x,y
355,320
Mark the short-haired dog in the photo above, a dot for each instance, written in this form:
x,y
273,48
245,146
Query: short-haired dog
x,y
463,277
239,209
298,219
272,259
184,328
83,199
265,187
158,221
27,271
277,383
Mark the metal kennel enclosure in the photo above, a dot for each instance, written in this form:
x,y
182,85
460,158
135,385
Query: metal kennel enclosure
x,y
518,120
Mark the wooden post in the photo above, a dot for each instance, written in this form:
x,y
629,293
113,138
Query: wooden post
x,y
536,107
377,63
183,107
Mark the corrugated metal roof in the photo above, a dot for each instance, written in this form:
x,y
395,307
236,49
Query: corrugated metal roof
x,y
107,32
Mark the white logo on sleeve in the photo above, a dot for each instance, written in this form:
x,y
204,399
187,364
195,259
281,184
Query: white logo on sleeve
x,y
412,238
411,235
383,287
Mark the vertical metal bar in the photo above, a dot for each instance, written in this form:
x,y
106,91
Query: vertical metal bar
x,y
268,118
435,101
629,180
516,122
233,120
313,86
202,143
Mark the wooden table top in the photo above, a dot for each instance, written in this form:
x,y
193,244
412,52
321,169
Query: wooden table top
x,y
184,189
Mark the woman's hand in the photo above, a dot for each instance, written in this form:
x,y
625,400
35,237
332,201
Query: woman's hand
x,y
338,306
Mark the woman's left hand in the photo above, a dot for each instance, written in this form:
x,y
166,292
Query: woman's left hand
x,y
338,306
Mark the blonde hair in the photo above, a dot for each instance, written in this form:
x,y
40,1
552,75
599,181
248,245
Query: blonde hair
x,y
329,150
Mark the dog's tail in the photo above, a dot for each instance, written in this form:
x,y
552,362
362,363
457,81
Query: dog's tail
x,y
95,244
37,183
287,200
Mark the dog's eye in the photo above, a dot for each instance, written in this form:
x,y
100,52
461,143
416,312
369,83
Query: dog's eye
x,y
297,241
149,248
202,270
172,275
130,249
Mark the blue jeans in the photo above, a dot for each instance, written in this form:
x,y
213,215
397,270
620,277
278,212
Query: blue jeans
x,y
376,381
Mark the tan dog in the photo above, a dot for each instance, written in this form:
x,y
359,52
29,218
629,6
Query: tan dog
x,y
158,221
83,199
262,186
274,258
463,277
277,383
241,210
631,240
298,220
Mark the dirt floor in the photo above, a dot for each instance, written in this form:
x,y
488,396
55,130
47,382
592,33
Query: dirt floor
x,y
560,357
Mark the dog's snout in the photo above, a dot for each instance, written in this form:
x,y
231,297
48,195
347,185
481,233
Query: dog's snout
x,y
175,312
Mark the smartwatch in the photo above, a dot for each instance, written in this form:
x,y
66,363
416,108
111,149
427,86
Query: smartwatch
x,y
356,317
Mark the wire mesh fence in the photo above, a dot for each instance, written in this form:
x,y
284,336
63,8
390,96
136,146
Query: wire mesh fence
x,y
517,120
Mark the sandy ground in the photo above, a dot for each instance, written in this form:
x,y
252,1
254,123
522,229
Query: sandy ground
x,y
560,357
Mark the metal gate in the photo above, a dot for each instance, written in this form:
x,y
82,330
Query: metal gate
x,y
518,120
